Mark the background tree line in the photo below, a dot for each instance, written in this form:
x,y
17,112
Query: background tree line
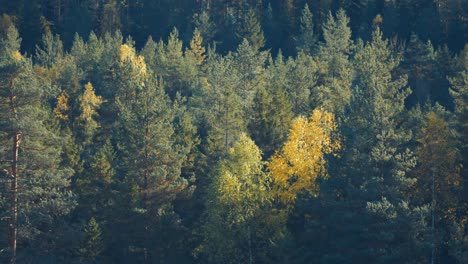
x,y
221,143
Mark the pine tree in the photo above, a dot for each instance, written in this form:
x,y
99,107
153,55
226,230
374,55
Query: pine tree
x,y
149,160
96,184
39,196
459,92
271,118
110,18
206,27
302,76
379,160
178,71
250,65
50,51
419,65
219,105
196,47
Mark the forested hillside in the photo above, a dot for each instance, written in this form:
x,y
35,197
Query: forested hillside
x,y
248,131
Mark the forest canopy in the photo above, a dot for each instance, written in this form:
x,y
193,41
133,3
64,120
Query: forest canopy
x,y
248,131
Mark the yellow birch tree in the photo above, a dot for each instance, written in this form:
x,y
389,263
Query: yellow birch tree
x,y
301,161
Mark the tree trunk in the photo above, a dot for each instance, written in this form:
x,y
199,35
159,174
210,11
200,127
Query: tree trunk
x,y
14,197
250,245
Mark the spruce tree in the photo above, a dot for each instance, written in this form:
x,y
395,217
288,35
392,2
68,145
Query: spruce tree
x,y
251,30
93,244
334,89
306,41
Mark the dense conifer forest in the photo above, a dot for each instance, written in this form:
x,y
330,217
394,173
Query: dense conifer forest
x,y
233,131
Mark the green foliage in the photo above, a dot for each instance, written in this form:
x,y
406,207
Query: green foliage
x,y
109,21
50,51
93,244
219,105
302,76
334,89
107,171
271,118
207,28
307,40
44,182
251,30
240,197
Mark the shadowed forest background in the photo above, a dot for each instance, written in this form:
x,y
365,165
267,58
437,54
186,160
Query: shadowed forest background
x,y
247,131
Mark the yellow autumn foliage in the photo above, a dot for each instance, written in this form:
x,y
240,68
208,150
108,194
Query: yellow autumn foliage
x,y
196,47
61,109
89,102
138,61
16,55
302,159
242,186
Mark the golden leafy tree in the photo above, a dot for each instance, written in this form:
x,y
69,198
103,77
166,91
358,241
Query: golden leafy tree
x,y
302,159
89,103
62,108
196,47
138,61
237,208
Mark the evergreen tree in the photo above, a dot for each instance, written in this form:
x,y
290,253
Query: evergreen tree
x,y
302,76
382,165
206,27
109,21
93,244
334,89
251,30
307,40
89,104
439,181
196,47
219,106
369,190
50,51
39,196
96,184
418,64
458,90
178,71
149,160
250,65
271,118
